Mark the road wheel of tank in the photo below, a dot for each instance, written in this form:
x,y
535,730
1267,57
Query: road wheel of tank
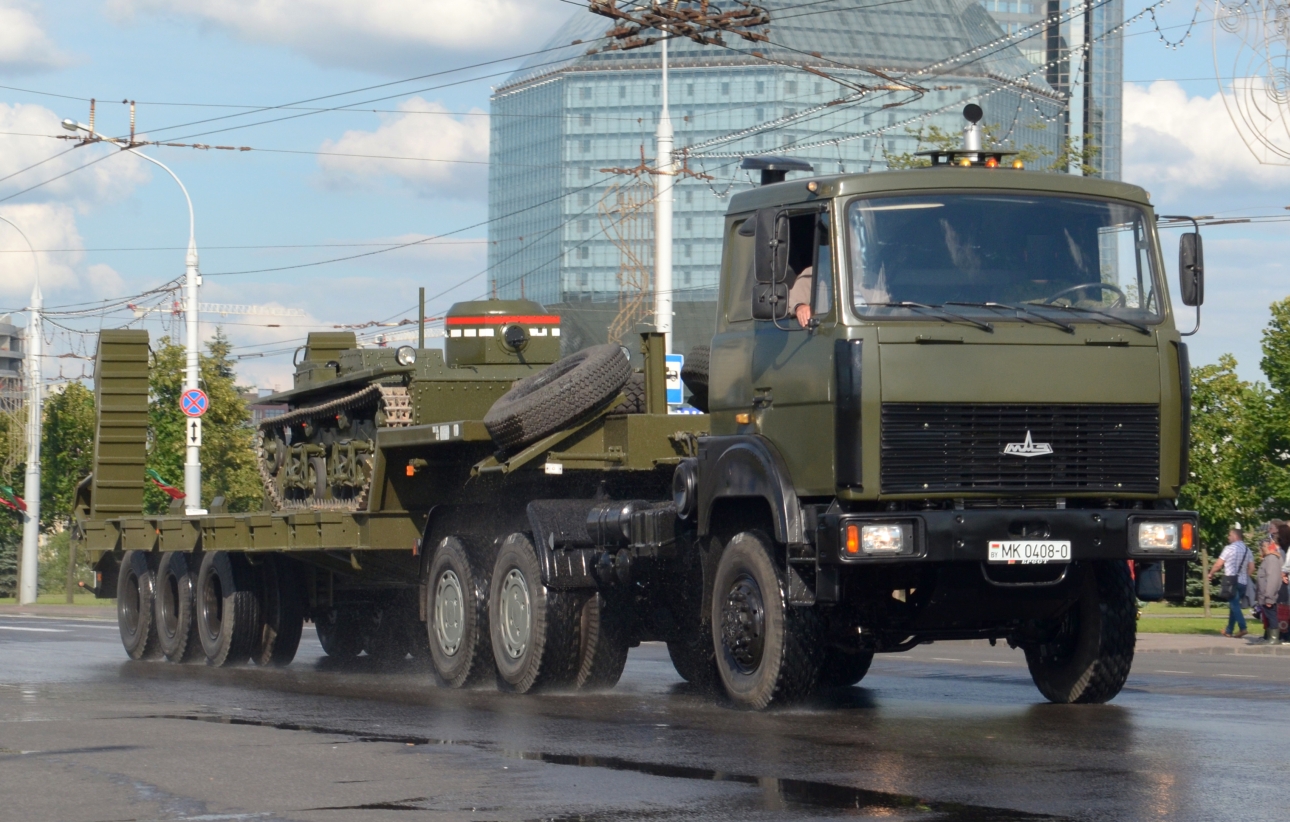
x,y
282,614
135,609
602,645
694,373
556,396
457,592
534,630
340,632
176,617
1089,651
227,608
767,652
844,667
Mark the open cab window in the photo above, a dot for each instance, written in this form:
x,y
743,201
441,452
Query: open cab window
x,y
989,252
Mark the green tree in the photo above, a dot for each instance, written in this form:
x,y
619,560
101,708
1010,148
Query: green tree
x,y
66,450
13,458
228,461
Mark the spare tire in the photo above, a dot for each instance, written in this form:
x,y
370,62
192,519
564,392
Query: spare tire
x,y
633,401
694,373
561,393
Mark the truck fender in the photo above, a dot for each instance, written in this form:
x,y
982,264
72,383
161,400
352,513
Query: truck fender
x,y
748,466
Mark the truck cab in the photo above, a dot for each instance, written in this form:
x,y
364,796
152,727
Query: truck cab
x,y
956,400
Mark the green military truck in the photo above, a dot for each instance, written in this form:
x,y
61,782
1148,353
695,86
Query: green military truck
x,y
942,403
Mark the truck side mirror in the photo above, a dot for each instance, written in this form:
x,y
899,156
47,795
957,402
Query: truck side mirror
x,y
770,265
1191,268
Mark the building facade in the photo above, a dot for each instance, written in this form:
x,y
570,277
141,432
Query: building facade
x,y
12,348
892,72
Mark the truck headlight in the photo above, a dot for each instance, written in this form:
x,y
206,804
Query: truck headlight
x,y
1159,536
874,539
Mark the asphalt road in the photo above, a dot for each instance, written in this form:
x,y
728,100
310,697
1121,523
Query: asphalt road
x,y
947,731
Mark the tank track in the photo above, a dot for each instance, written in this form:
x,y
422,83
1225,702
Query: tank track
x,y
394,410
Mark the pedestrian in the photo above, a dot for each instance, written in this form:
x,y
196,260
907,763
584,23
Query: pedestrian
x,y
1237,563
1269,589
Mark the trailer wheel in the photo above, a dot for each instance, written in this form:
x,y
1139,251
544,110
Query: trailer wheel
x,y
389,628
282,615
534,629
228,610
457,593
844,667
602,646
1089,651
135,610
176,619
556,396
340,633
767,652
694,373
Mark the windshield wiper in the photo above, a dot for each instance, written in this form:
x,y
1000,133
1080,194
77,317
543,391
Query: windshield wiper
x,y
940,309
1083,310
1067,327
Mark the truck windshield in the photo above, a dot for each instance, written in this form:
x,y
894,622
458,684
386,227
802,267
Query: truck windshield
x,y
984,253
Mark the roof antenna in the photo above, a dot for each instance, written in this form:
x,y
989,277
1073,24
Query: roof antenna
x,y
973,132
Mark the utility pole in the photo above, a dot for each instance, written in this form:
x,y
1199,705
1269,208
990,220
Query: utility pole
x,y
31,527
663,220
192,279
29,559
1087,136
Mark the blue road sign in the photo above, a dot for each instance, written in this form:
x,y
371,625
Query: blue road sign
x,y
194,402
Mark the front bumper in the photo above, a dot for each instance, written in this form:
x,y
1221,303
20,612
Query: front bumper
x,y
965,535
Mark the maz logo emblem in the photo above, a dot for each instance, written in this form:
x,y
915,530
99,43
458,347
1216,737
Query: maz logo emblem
x,y
1029,448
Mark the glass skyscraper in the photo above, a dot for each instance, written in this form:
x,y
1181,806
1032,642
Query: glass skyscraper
x,y
571,112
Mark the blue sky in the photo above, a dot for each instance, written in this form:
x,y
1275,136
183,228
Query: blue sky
x,y
1179,143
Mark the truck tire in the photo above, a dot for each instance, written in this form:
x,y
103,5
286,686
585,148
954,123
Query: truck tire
x,y
1089,654
767,652
176,621
534,629
228,610
556,396
694,373
457,615
136,588
844,667
282,614
695,662
633,401
602,647
389,627
340,632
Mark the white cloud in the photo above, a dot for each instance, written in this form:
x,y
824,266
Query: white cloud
x,y
424,130
24,46
1186,151
372,33
51,228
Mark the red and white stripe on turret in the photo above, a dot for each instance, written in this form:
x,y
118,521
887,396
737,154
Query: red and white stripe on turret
x,y
492,325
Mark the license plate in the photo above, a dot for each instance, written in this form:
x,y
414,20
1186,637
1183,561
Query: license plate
x,y
1030,552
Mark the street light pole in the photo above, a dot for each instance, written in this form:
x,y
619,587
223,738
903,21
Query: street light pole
x,y
192,279
663,220
27,578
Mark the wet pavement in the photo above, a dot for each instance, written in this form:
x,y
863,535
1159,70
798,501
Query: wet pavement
x,y
947,731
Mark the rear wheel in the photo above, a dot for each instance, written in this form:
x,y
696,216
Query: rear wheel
x,y
340,632
1088,652
135,609
176,619
390,627
844,667
457,615
228,610
602,646
767,652
282,614
534,629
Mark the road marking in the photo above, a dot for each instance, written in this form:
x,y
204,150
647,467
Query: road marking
x,y
995,662
1238,676
946,659
1162,671
39,630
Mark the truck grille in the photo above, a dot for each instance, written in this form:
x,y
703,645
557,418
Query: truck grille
x,y
942,448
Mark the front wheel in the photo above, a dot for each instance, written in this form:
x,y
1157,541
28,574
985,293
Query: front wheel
x,y
766,651
1087,653
457,615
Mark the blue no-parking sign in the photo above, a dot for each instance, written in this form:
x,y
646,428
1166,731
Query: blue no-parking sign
x,y
194,402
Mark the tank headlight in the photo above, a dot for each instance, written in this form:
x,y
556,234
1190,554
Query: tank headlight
x,y
406,355
514,337
1158,536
